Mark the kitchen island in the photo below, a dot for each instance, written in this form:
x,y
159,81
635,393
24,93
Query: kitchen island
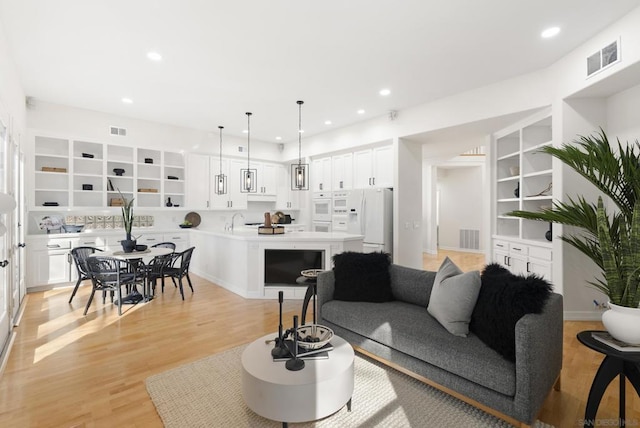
x,y
258,266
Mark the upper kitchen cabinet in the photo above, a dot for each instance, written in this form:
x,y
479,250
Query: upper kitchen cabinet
x,y
266,182
321,177
202,184
287,199
342,166
198,181
373,167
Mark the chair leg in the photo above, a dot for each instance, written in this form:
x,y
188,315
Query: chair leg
x,y
75,289
181,289
119,300
86,309
189,280
174,282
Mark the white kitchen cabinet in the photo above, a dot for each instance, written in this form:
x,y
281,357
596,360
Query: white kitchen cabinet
x,y
321,177
286,199
198,181
234,199
373,167
342,168
267,182
523,259
49,261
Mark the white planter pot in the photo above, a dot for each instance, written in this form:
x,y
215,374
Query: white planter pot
x,y
623,323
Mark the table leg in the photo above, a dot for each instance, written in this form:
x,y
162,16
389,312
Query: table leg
x,y
608,370
349,405
305,302
285,425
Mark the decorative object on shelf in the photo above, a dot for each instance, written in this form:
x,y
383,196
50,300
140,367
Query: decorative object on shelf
x,y
110,187
172,177
516,191
128,244
314,336
248,176
169,203
87,187
186,225
71,228
514,170
87,155
118,171
148,160
51,223
147,190
295,363
221,178
53,169
548,235
545,192
612,240
50,204
300,171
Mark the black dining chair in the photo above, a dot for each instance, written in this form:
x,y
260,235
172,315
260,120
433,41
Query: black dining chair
x,y
180,269
80,255
170,245
155,270
110,274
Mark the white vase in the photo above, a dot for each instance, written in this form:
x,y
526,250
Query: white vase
x,y
623,323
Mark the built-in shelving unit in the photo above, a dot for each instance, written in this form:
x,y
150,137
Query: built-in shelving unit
x,y
78,173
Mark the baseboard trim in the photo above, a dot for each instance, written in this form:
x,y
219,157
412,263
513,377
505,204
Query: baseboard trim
x,y
583,315
4,357
18,318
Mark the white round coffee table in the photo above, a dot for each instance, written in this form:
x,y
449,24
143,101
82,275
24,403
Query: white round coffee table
x,y
320,389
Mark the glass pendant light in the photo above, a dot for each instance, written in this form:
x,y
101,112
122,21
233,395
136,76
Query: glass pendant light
x,y
248,176
221,179
300,171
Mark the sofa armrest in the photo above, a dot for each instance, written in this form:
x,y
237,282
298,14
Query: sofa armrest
x,y
325,288
538,355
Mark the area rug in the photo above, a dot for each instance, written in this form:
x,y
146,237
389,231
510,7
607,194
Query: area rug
x,y
208,393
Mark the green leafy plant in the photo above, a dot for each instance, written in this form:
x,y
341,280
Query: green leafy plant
x,y
611,240
127,214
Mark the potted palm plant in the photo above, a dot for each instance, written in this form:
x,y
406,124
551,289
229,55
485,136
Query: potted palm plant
x,y
610,239
128,244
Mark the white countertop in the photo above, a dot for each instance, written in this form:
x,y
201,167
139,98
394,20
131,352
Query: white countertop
x,y
251,234
105,232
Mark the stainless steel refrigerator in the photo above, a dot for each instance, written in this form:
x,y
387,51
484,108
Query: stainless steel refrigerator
x,y
370,213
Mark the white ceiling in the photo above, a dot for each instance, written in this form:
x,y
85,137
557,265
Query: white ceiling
x,y
224,58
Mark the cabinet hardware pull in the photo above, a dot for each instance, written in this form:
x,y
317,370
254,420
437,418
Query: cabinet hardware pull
x,y
374,181
528,263
69,258
320,186
4,263
499,245
53,245
341,184
517,249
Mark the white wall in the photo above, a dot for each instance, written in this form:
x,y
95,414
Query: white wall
x,y
462,200
12,97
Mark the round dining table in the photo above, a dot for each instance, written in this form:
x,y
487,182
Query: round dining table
x,y
145,256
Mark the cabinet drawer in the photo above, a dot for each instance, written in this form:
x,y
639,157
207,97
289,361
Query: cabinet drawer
x,y
53,244
176,237
501,245
94,241
518,249
540,253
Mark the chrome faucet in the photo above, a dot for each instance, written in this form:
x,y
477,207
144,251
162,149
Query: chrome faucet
x,y
233,219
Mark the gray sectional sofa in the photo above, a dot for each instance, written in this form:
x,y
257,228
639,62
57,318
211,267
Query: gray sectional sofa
x,y
402,333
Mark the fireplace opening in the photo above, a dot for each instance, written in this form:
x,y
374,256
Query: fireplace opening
x,y
283,267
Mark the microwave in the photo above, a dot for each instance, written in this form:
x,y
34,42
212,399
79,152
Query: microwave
x,y
340,203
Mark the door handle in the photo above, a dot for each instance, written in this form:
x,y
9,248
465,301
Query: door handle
x,y
4,263
22,245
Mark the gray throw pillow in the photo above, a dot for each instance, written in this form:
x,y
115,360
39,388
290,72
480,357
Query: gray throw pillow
x,y
453,297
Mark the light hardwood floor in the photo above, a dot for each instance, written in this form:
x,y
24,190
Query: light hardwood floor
x,y
66,370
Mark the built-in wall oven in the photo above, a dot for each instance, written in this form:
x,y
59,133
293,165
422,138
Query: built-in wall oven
x,y
322,207
321,226
339,211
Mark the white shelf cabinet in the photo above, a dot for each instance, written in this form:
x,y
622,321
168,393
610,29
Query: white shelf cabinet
x,y
373,167
522,180
201,176
321,177
77,173
286,199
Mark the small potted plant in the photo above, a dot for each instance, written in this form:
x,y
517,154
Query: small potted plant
x,y
128,244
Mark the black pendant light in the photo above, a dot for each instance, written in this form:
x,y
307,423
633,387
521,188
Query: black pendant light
x,y
221,179
248,176
300,171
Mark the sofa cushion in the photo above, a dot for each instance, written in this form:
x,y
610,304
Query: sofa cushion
x,y
453,297
411,285
410,329
362,277
505,298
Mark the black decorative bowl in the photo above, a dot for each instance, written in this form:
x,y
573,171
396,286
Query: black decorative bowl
x,y
141,247
118,171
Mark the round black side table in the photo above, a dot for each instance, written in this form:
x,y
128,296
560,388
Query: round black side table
x,y
623,364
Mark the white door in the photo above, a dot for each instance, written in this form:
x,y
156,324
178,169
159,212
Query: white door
x,y
18,286
5,267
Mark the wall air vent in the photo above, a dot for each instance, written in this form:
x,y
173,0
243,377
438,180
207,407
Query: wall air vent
x,y
605,57
114,130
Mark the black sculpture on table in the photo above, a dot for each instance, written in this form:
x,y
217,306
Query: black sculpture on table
x,y
280,350
295,363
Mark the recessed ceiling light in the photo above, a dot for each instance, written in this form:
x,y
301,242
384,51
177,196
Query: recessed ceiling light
x,y
154,56
127,100
278,138
327,122
385,92
550,32
361,111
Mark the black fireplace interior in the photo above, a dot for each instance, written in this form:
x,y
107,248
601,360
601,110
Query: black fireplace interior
x,y
283,267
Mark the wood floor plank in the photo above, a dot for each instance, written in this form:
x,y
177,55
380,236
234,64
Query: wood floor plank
x,y
67,370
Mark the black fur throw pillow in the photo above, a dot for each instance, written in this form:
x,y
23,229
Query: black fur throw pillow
x,y
505,298
362,277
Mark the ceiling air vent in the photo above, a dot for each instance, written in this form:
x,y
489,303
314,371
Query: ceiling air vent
x,y
604,58
114,130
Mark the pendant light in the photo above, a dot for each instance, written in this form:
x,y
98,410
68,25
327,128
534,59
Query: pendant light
x,y
300,171
221,179
248,176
